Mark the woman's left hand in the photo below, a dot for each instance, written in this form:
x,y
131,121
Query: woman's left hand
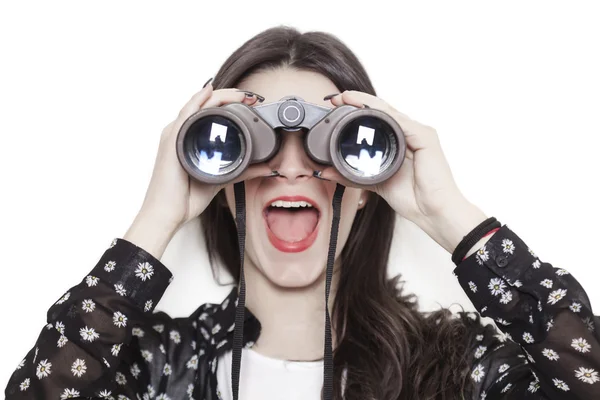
x,y
424,186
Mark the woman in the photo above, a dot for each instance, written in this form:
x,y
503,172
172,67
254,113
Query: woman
x,y
103,341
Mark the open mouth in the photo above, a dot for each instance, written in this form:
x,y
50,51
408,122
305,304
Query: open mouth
x,y
292,223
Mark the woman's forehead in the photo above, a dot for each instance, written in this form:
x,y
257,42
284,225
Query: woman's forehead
x,y
274,84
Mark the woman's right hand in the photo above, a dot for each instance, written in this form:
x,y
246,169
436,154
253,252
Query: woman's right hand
x,y
173,197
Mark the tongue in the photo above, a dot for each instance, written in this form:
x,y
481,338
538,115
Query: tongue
x,y
292,226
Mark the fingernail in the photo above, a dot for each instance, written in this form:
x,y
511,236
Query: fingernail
x,y
317,174
252,94
207,82
273,173
366,106
330,96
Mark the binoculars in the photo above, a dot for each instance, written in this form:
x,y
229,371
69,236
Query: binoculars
x,y
216,145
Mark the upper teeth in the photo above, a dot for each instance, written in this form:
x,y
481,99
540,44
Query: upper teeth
x,y
289,204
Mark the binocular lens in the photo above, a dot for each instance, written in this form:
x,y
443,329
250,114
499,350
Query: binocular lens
x,y
214,145
367,145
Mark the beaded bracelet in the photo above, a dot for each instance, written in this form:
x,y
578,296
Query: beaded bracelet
x,y
473,237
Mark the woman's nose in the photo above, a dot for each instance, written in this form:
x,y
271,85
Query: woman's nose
x,y
291,161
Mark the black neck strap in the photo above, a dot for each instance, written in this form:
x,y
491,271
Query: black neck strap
x,y
240,217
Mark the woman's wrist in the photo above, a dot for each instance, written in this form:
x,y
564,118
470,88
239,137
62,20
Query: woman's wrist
x,y
151,232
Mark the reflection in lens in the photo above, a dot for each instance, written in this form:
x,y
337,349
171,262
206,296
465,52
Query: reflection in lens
x,y
214,145
367,145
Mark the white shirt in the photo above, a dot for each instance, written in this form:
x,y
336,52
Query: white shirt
x,y
265,378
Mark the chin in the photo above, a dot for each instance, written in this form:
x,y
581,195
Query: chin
x,y
297,274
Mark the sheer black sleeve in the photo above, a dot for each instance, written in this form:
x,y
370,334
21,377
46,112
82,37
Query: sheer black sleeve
x,y
550,346
91,342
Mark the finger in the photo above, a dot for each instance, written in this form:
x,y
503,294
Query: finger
x,y
332,174
194,104
226,96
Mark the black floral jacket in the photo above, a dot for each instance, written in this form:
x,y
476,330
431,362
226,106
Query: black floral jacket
x,y
103,340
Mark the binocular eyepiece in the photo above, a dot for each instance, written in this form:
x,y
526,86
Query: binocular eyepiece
x,y
216,145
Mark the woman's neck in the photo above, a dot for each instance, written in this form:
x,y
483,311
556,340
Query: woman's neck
x,y
292,319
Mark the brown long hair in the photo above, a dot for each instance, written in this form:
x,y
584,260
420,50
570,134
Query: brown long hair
x,y
390,350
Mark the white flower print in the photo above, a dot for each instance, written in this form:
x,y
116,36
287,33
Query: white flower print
x,y
556,295
540,308
193,344
193,362
135,370
120,378
122,397
88,334
204,333
69,394
144,271
551,354
60,327
88,306
152,392
536,264
480,351
105,394
589,324
115,349
482,255
21,364
531,318
137,332
502,377
478,373
560,384
112,244
91,280
581,345
36,354
506,388
479,338
473,287
527,337
159,328
549,324
483,395
216,329
110,266
546,283
163,396
105,362
78,368
175,336
190,390
484,309
64,298
202,316
587,375
533,386
148,305
575,307
44,369
506,297
561,272
508,246
225,304
503,368
517,283
148,356
119,319
496,286
167,370
24,385
120,289
531,252
503,322
62,340
221,343
162,349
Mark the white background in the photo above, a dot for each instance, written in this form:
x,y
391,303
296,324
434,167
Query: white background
x,y
85,90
